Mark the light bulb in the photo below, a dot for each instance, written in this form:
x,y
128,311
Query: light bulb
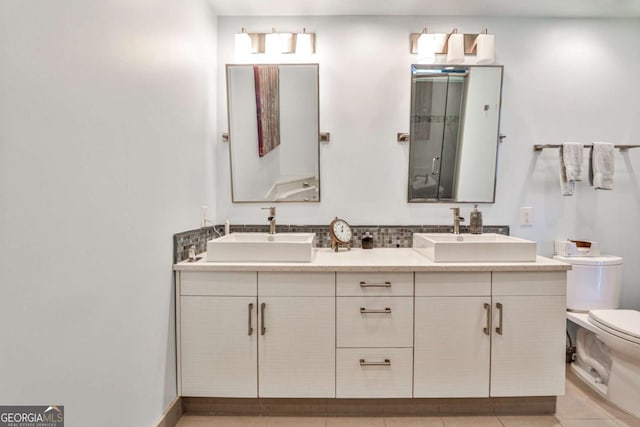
x,y
303,44
455,48
272,43
242,44
427,47
485,49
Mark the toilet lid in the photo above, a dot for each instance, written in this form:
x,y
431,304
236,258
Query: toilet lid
x,y
622,323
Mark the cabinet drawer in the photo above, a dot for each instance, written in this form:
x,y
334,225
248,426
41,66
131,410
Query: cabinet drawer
x,y
374,321
374,284
530,283
374,372
218,283
453,284
292,284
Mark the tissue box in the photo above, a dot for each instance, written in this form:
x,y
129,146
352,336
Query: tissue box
x,y
576,248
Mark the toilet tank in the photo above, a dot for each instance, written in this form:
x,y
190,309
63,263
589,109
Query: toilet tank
x,y
593,282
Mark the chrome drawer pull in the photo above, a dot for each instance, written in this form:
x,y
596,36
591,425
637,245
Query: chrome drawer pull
x,y
375,285
250,310
487,329
387,362
499,328
262,306
387,310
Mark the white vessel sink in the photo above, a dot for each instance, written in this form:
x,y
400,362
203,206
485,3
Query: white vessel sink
x,y
261,247
488,247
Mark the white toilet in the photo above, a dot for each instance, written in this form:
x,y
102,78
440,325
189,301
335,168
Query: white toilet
x,y
608,338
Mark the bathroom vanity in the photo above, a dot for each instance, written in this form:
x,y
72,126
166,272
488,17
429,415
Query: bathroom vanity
x,y
386,327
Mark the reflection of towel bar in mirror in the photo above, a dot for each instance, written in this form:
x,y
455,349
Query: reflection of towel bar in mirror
x,y
540,147
324,137
404,137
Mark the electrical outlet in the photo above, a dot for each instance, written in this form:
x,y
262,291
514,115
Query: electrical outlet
x,y
526,215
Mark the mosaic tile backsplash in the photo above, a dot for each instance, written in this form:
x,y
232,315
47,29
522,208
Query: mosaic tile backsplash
x,y
384,236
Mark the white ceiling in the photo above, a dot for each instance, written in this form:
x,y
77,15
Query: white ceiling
x,y
519,8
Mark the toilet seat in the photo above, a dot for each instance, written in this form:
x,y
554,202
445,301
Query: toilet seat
x,y
624,324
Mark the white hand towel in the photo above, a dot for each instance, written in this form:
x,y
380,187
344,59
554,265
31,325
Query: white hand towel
x,y
571,159
601,171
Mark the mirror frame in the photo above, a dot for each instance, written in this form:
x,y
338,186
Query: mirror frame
x,y
230,132
497,141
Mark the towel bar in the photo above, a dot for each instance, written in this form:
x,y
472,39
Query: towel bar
x,y
540,147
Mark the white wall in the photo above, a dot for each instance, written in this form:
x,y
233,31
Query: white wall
x,y
565,79
104,119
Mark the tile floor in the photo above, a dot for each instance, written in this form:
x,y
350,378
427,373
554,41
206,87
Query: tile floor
x,y
579,407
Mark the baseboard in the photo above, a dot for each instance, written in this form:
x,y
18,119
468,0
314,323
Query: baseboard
x,y
370,407
172,414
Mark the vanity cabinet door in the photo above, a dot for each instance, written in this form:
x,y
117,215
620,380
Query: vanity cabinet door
x,y
297,338
528,341
218,346
297,346
452,343
452,347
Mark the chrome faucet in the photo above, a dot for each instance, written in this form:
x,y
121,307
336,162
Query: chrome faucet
x,y
456,220
272,219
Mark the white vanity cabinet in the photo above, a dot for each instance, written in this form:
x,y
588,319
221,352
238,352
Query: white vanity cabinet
x,y
372,325
483,334
528,340
249,334
374,322
452,334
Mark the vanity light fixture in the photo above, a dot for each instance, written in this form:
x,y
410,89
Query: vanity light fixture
x,y
485,48
455,47
275,43
272,45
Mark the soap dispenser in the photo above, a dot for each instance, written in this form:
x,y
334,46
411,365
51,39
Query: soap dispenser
x,y
475,221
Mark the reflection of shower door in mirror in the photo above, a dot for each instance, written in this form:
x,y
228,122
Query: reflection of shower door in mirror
x,y
434,133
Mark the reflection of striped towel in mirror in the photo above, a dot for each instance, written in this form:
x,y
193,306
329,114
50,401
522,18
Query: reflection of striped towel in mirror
x,y
266,78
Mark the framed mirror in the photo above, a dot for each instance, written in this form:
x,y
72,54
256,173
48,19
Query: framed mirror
x,y
274,132
454,136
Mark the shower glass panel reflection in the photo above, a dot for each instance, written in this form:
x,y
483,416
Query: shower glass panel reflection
x,y
438,99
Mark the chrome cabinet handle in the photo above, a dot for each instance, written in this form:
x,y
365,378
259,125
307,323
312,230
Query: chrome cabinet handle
x,y
250,310
499,328
386,362
487,329
262,308
375,285
387,310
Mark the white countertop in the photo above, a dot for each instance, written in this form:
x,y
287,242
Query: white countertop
x,y
378,259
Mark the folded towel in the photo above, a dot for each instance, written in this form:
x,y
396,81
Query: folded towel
x,y
601,171
571,160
